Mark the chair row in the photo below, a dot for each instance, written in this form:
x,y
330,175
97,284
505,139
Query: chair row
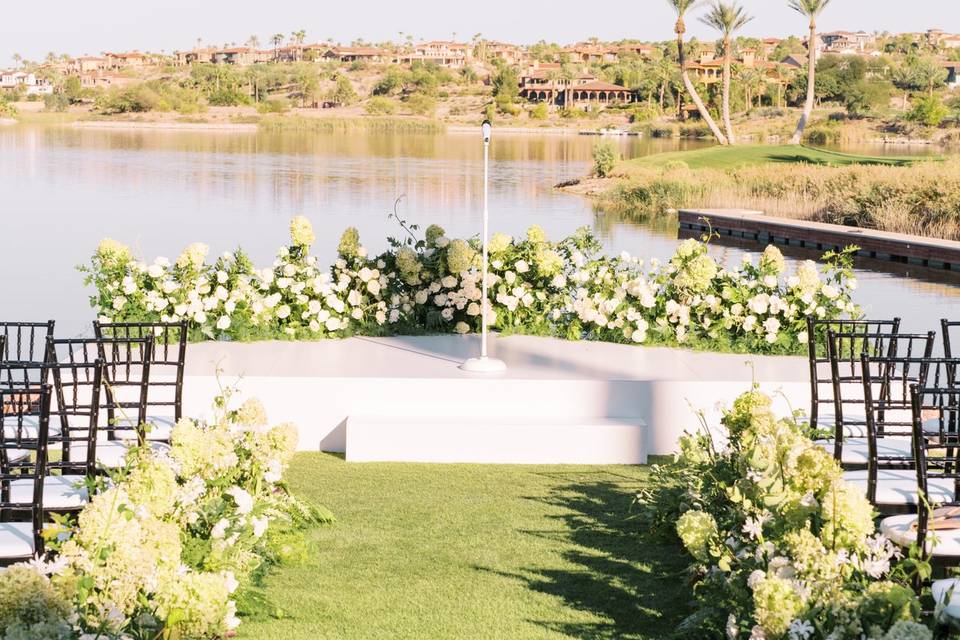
x,y
71,415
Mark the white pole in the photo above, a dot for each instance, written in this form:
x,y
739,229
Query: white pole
x,y
486,232
485,364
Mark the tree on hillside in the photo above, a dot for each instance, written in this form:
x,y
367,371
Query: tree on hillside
x,y
505,83
253,42
727,18
298,38
681,7
277,40
812,9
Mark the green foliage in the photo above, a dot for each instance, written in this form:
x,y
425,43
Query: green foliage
x,y
928,111
506,83
605,156
275,105
391,83
379,105
506,105
57,102
421,104
866,96
540,112
156,95
343,92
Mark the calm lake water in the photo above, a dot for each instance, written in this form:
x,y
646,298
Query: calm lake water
x,y
63,189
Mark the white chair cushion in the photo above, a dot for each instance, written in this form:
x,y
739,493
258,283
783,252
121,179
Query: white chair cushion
x,y
160,426
856,450
827,422
898,487
899,529
16,540
941,589
59,492
112,453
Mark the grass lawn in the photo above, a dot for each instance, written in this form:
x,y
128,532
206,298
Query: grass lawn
x,y
718,157
472,551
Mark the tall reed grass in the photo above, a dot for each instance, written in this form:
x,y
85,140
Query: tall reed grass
x,y
922,199
360,123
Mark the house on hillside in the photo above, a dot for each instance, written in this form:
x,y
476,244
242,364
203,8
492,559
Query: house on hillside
x,y
355,54
87,64
586,53
846,42
950,42
240,56
795,61
186,58
128,60
509,54
549,83
28,81
452,55
645,51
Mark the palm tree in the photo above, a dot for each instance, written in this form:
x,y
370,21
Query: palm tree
x,y
681,7
812,9
277,40
253,42
727,18
298,37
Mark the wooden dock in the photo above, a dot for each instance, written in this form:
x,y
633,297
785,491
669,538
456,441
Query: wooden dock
x,y
880,245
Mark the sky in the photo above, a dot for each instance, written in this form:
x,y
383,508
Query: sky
x,y
31,29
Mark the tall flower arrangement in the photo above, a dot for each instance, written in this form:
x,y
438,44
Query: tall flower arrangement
x,y
536,286
173,545
781,547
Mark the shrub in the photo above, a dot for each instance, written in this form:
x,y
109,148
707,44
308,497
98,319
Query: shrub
x,y
421,104
605,156
343,92
928,111
540,111
380,106
505,105
274,105
56,102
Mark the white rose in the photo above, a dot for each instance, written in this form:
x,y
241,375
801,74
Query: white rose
x,y
522,266
155,271
354,297
223,323
332,324
283,311
374,287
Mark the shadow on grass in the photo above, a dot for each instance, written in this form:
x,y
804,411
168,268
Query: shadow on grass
x,y
635,581
838,162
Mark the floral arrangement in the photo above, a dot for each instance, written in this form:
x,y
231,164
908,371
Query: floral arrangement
x,y
781,547
175,544
566,289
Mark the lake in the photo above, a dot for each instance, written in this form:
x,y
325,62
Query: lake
x,y
64,188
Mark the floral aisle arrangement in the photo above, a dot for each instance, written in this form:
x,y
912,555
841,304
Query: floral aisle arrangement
x,y
781,547
566,289
174,545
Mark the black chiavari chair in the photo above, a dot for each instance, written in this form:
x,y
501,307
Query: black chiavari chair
x,y
951,337
849,443
935,528
890,478
165,387
22,477
25,342
124,379
822,409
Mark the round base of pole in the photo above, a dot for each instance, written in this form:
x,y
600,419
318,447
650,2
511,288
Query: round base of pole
x,y
484,365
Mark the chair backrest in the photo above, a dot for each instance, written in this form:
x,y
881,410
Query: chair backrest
x,y
846,370
951,337
167,364
23,454
821,379
25,341
74,409
125,376
935,458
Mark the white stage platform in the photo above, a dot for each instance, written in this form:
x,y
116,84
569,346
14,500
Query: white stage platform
x,y
405,399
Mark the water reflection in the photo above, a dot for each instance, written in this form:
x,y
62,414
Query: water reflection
x,y
65,188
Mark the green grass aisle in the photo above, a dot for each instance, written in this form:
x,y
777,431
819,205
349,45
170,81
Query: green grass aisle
x,y
468,551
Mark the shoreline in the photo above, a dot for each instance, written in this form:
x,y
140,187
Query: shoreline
x,y
172,126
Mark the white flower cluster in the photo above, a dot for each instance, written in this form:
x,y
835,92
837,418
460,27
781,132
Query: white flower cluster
x,y
534,286
129,566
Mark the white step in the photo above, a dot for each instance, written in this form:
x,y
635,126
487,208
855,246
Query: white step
x,y
506,440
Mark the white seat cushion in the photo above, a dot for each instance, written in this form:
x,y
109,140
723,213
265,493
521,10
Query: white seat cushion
x,y
160,427
112,453
856,450
59,492
900,530
855,423
16,540
941,590
898,487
